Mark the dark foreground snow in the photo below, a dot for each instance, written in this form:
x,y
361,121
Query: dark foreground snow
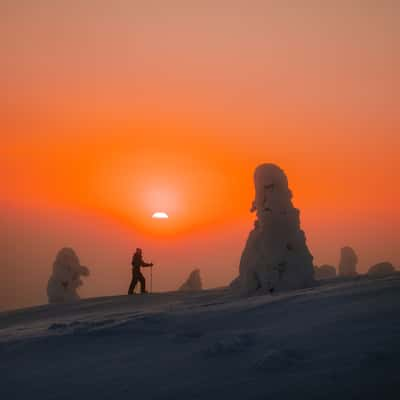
x,y
338,341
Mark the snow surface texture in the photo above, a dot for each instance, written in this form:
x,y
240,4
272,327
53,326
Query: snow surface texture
x,y
339,340
348,262
66,277
193,282
382,269
276,256
324,272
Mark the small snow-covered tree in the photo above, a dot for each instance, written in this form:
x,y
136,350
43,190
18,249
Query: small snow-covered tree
x,y
66,277
381,269
193,282
348,262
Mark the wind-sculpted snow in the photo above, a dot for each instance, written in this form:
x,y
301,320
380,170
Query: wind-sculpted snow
x,y
339,340
234,343
276,360
276,256
66,277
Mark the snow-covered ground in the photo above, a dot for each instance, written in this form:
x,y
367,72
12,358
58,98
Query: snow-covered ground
x,y
340,340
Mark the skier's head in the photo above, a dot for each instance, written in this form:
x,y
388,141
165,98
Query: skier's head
x,y
138,250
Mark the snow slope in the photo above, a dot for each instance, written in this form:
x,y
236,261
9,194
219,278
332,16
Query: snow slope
x,y
340,340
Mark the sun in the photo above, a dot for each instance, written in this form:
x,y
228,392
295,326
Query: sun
x,y
160,215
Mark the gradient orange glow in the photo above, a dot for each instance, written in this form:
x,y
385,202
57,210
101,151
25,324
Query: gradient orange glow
x,y
114,114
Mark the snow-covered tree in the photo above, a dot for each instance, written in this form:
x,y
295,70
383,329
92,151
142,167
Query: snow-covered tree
x,y
66,277
193,282
381,269
348,262
276,256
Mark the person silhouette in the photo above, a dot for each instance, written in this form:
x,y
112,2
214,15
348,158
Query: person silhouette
x,y
137,276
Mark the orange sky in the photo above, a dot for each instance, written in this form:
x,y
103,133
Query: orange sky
x,y
112,112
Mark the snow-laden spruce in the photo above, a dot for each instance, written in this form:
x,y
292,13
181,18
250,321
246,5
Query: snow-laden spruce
x,y
276,256
348,262
193,282
66,277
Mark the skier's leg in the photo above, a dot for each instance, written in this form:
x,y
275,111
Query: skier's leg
x,y
133,283
130,290
142,281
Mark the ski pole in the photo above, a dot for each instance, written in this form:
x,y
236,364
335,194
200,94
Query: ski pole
x,y
151,279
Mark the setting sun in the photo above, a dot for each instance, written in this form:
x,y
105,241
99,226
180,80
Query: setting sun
x,y
160,215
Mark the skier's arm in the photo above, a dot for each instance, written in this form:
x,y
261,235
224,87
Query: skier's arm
x,y
145,264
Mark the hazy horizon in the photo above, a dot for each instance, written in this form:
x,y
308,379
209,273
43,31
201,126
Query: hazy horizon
x,y
111,112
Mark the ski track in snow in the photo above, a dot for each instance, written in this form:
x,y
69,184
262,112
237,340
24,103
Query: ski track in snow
x,y
341,338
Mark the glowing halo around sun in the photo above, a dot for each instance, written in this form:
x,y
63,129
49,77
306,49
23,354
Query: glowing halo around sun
x,y
160,215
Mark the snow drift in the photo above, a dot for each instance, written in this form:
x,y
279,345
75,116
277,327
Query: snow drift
x,y
339,340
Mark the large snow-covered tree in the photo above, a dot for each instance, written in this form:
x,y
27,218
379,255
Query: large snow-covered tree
x,y
276,256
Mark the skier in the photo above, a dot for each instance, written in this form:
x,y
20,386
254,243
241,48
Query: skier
x,y
137,276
